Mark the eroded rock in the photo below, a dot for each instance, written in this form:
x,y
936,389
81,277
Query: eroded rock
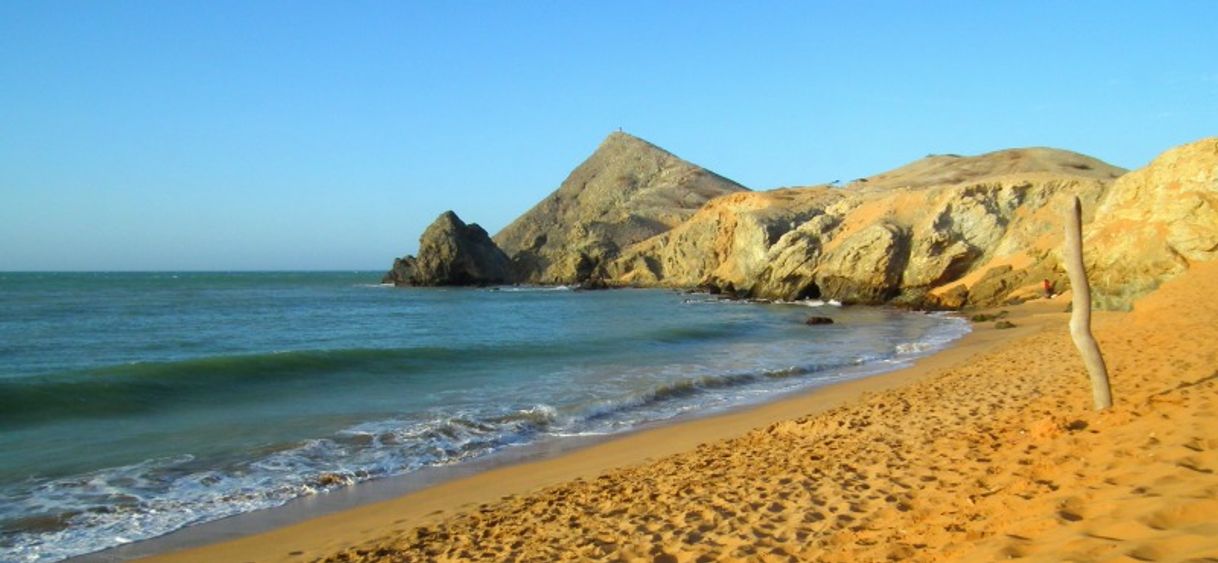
x,y
452,253
1154,222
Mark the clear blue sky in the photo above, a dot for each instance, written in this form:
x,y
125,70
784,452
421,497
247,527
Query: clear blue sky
x,y
297,135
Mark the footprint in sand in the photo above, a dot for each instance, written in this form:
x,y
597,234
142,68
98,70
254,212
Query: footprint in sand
x,y
1146,553
1185,515
1071,509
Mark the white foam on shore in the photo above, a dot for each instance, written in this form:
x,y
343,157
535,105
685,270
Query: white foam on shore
x,y
812,303
531,288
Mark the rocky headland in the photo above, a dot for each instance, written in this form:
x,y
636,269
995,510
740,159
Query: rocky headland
x,y
451,253
946,231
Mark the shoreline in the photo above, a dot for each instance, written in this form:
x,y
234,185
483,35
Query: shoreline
x,y
464,489
908,346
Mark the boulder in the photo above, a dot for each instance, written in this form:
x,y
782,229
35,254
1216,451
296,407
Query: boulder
x,y
865,267
818,321
953,298
452,253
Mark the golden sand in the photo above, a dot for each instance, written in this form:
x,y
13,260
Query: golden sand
x,y
988,451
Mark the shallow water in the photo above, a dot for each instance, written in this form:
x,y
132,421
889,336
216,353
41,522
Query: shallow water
x,y
134,404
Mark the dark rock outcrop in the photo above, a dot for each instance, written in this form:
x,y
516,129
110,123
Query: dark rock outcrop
x,y
452,253
402,271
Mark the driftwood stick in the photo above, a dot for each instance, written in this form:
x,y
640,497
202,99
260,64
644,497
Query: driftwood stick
x,y
1080,317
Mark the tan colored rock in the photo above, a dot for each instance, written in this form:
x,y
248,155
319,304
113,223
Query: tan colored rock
x,y
954,298
915,234
724,242
791,264
866,266
1154,223
952,231
627,191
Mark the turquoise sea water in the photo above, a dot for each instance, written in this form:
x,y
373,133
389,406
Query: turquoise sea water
x,y
133,404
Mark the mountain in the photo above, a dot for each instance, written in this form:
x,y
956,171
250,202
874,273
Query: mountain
x,y
627,191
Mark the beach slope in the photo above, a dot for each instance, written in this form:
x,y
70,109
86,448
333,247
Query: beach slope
x,y
988,451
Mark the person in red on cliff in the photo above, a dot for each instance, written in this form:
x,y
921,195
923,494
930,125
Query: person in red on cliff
x,y
1048,289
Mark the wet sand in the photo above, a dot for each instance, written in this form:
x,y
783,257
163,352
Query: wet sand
x,y
989,450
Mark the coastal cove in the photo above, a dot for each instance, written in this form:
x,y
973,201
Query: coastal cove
x,y
337,381
568,282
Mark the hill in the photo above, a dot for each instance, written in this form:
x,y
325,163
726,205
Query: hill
x,y
628,190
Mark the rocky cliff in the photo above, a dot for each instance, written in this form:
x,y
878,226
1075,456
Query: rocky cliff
x,y
1154,223
628,191
946,230
724,244
452,253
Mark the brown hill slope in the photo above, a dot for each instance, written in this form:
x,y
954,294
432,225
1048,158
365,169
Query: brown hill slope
x,y
627,191
943,169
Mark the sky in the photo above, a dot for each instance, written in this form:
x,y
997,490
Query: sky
x,y
175,135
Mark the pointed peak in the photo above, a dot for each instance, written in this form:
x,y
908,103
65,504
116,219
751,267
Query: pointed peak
x,y
447,221
621,135
449,216
625,141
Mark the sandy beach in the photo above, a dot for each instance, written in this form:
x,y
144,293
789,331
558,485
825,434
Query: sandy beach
x,y
989,450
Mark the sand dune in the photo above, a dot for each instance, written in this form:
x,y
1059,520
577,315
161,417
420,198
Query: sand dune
x,y
997,456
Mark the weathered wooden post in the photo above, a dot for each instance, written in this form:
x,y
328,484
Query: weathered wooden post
x,y
1080,317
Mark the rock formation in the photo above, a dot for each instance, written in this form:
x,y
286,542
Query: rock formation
x,y
723,243
628,190
1154,222
452,253
944,231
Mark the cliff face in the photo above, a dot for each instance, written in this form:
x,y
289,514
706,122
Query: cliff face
x,y
1154,223
946,231
724,243
451,253
628,190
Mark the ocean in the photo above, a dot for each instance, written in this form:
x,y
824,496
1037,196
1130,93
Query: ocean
x,y
135,404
